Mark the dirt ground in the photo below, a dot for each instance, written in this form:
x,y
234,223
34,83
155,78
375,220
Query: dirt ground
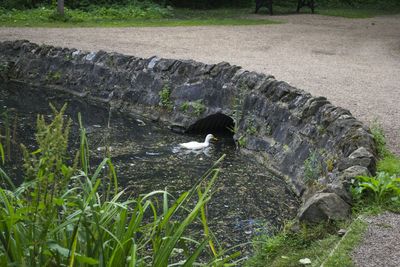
x,y
355,63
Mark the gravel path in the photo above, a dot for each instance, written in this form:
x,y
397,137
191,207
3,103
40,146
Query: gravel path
x,y
381,242
355,63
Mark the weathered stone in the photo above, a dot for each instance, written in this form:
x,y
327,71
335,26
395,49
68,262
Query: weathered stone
x,y
324,206
361,152
352,172
349,162
347,176
339,190
282,122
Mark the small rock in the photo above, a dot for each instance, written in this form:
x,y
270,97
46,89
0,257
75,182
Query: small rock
x,y
141,123
339,190
342,232
349,174
324,206
361,152
76,53
90,56
305,261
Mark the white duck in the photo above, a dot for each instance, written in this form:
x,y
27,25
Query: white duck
x,y
196,145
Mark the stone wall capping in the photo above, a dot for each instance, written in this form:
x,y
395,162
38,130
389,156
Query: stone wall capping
x,y
285,125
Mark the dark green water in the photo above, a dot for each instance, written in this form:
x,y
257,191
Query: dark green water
x,y
249,199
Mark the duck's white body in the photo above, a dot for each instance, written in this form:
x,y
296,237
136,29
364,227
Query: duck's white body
x,y
197,145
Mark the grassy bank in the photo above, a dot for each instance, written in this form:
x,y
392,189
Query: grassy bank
x,y
357,13
322,244
128,16
155,16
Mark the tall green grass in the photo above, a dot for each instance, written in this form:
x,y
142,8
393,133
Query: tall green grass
x,y
61,215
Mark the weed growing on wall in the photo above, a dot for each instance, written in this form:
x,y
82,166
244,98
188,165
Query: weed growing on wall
x,y
198,107
312,168
165,97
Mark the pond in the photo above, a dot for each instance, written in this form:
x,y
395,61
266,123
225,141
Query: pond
x,y
249,200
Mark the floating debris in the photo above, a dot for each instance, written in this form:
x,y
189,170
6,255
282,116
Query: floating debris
x,y
153,153
104,148
141,123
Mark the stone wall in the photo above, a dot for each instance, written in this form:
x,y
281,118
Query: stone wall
x,y
317,146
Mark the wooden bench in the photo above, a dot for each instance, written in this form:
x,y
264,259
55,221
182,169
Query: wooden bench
x,y
300,4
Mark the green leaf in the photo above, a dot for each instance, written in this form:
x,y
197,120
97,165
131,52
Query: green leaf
x,y
59,249
58,201
190,261
86,260
2,157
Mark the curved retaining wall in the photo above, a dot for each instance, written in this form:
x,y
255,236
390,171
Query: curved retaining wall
x,y
319,147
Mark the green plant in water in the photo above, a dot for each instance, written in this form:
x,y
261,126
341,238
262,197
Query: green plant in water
x,y
6,117
60,217
165,100
2,157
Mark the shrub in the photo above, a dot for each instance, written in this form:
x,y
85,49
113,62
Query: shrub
x,y
382,189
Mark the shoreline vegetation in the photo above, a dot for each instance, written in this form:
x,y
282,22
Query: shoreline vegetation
x,y
72,210
330,244
66,213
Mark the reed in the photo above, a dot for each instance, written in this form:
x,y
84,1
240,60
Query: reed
x,y
59,216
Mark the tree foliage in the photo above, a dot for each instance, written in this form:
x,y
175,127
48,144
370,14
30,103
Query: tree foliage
x,y
82,4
